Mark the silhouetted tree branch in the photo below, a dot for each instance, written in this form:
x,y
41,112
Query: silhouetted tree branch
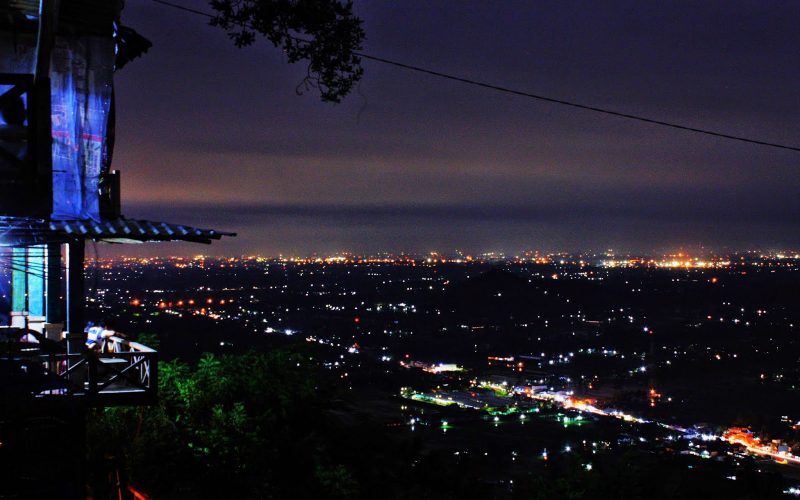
x,y
323,32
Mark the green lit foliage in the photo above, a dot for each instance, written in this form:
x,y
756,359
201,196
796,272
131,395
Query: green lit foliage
x,y
268,425
323,32
151,340
230,427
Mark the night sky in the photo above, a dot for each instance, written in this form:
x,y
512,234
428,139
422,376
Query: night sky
x,y
215,136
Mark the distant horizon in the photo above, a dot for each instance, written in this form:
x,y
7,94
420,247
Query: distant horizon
x,y
451,255
669,223
414,229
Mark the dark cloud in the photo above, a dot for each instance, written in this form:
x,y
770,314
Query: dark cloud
x,y
412,162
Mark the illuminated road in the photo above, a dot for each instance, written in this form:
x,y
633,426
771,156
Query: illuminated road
x,y
753,445
734,435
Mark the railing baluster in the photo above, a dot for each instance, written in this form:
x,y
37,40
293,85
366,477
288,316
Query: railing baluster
x,y
138,374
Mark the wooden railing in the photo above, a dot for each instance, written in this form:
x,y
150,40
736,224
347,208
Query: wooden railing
x,y
123,372
141,370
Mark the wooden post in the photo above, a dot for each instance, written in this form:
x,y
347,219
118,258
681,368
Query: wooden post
x,y
75,290
55,300
76,337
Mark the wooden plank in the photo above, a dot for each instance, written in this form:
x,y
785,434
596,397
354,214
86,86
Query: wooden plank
x,y
123,374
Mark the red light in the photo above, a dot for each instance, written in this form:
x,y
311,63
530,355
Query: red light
x,y
357,320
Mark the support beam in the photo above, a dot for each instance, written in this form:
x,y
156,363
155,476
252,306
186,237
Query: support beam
x,y
76,297
55,298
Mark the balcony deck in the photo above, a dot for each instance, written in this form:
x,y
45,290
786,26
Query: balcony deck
x,y
123,373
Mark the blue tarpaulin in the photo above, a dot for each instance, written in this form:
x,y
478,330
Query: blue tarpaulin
x,y
81,76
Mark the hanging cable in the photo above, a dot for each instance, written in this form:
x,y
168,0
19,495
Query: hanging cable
x,y
521,93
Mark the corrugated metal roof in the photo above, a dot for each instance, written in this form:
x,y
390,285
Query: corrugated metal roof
x,y
19,231
134,229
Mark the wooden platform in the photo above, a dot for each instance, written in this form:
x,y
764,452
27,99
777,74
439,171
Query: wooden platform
x,y
126,375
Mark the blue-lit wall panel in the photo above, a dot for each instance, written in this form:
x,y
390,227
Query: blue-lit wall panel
x,y
81,80
35,276
18,282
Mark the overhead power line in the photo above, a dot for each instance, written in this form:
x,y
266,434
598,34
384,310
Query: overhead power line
x,y
522,93
578,105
